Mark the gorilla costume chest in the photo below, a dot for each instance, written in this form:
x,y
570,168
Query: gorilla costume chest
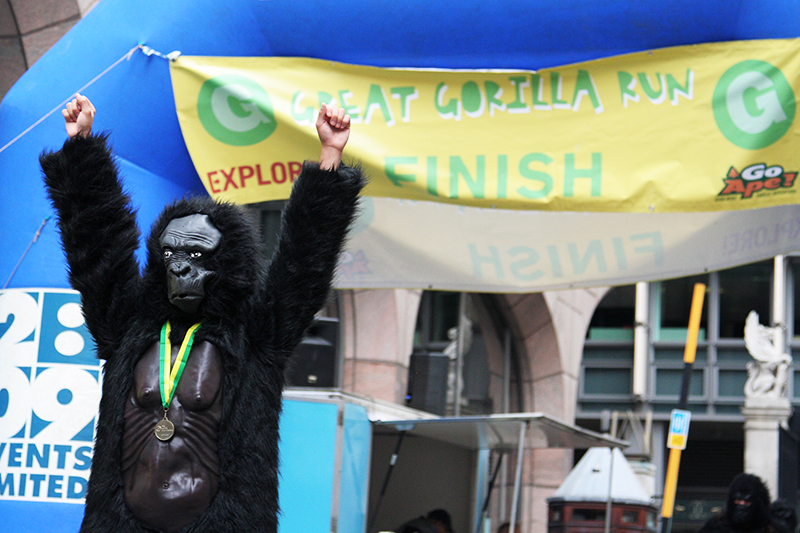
x,y
169,483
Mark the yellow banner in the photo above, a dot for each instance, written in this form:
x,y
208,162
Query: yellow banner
x,y
694,128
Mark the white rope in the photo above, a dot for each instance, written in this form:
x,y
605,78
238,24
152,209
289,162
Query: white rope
x,y
147,51
35,238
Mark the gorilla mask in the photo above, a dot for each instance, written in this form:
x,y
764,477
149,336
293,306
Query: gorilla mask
x,y
748,503
185,244
742,512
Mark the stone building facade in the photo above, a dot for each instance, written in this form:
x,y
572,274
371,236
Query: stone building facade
x,y
28,28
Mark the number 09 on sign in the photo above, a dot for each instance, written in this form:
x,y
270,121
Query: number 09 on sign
x,y
678,429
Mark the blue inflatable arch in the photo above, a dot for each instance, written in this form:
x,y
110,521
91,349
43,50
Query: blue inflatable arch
x,y
135,99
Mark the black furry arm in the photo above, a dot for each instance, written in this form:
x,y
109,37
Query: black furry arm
x,y
98,231
322,206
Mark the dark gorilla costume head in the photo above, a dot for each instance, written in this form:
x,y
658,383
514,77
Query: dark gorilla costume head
x,y
210,276
748,503
783,517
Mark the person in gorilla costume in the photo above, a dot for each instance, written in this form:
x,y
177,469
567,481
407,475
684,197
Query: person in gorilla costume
x,y
783,517
194,448
746,510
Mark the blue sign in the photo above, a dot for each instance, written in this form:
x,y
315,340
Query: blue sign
x,y
49,394
678,429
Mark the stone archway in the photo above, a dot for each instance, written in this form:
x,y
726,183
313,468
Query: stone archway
x,y
548,332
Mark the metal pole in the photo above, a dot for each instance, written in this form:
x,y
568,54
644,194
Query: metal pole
x,y
506,409
610,483
779,304
392,462
489,493
671,482
507,371
640,340
518,477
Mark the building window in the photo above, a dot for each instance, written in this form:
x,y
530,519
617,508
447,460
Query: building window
x,y
741,290
794,307
673,302
436,320
613,319
606,369
719,372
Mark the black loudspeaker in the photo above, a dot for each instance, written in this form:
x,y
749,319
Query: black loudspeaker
x,y
427,382
313,363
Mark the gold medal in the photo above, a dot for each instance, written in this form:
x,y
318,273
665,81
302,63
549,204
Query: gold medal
x,y
164,430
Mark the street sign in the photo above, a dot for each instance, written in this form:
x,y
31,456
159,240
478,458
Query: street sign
x,y
678,429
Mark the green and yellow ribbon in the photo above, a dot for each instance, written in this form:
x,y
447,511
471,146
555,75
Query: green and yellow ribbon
x,y
169,374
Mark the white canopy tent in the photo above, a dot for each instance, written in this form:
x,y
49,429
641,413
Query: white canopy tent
x,y
503,433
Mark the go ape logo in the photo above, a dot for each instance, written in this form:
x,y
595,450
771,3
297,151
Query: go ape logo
x,y
753,104
49,393
235,110
758,177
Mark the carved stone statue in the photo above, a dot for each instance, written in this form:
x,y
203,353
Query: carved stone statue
x,y
451,351
767,376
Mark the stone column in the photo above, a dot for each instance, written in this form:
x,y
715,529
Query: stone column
x,y
763,418
378,331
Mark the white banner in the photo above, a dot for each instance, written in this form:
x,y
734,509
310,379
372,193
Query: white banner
x,y
413,244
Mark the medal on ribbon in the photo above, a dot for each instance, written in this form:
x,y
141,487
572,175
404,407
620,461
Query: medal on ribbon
x,y
169,375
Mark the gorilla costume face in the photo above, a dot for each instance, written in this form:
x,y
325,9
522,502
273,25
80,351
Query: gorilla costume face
x,y
747,509
184,244
748,502
783,517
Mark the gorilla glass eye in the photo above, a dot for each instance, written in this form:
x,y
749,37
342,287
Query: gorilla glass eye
x,y
167,253
196,255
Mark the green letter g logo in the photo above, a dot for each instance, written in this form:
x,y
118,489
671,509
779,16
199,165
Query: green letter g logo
x,y
753,104
235,110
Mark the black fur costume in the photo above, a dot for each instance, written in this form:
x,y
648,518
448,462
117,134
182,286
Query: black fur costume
x,y
254,314
783,517
739,519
